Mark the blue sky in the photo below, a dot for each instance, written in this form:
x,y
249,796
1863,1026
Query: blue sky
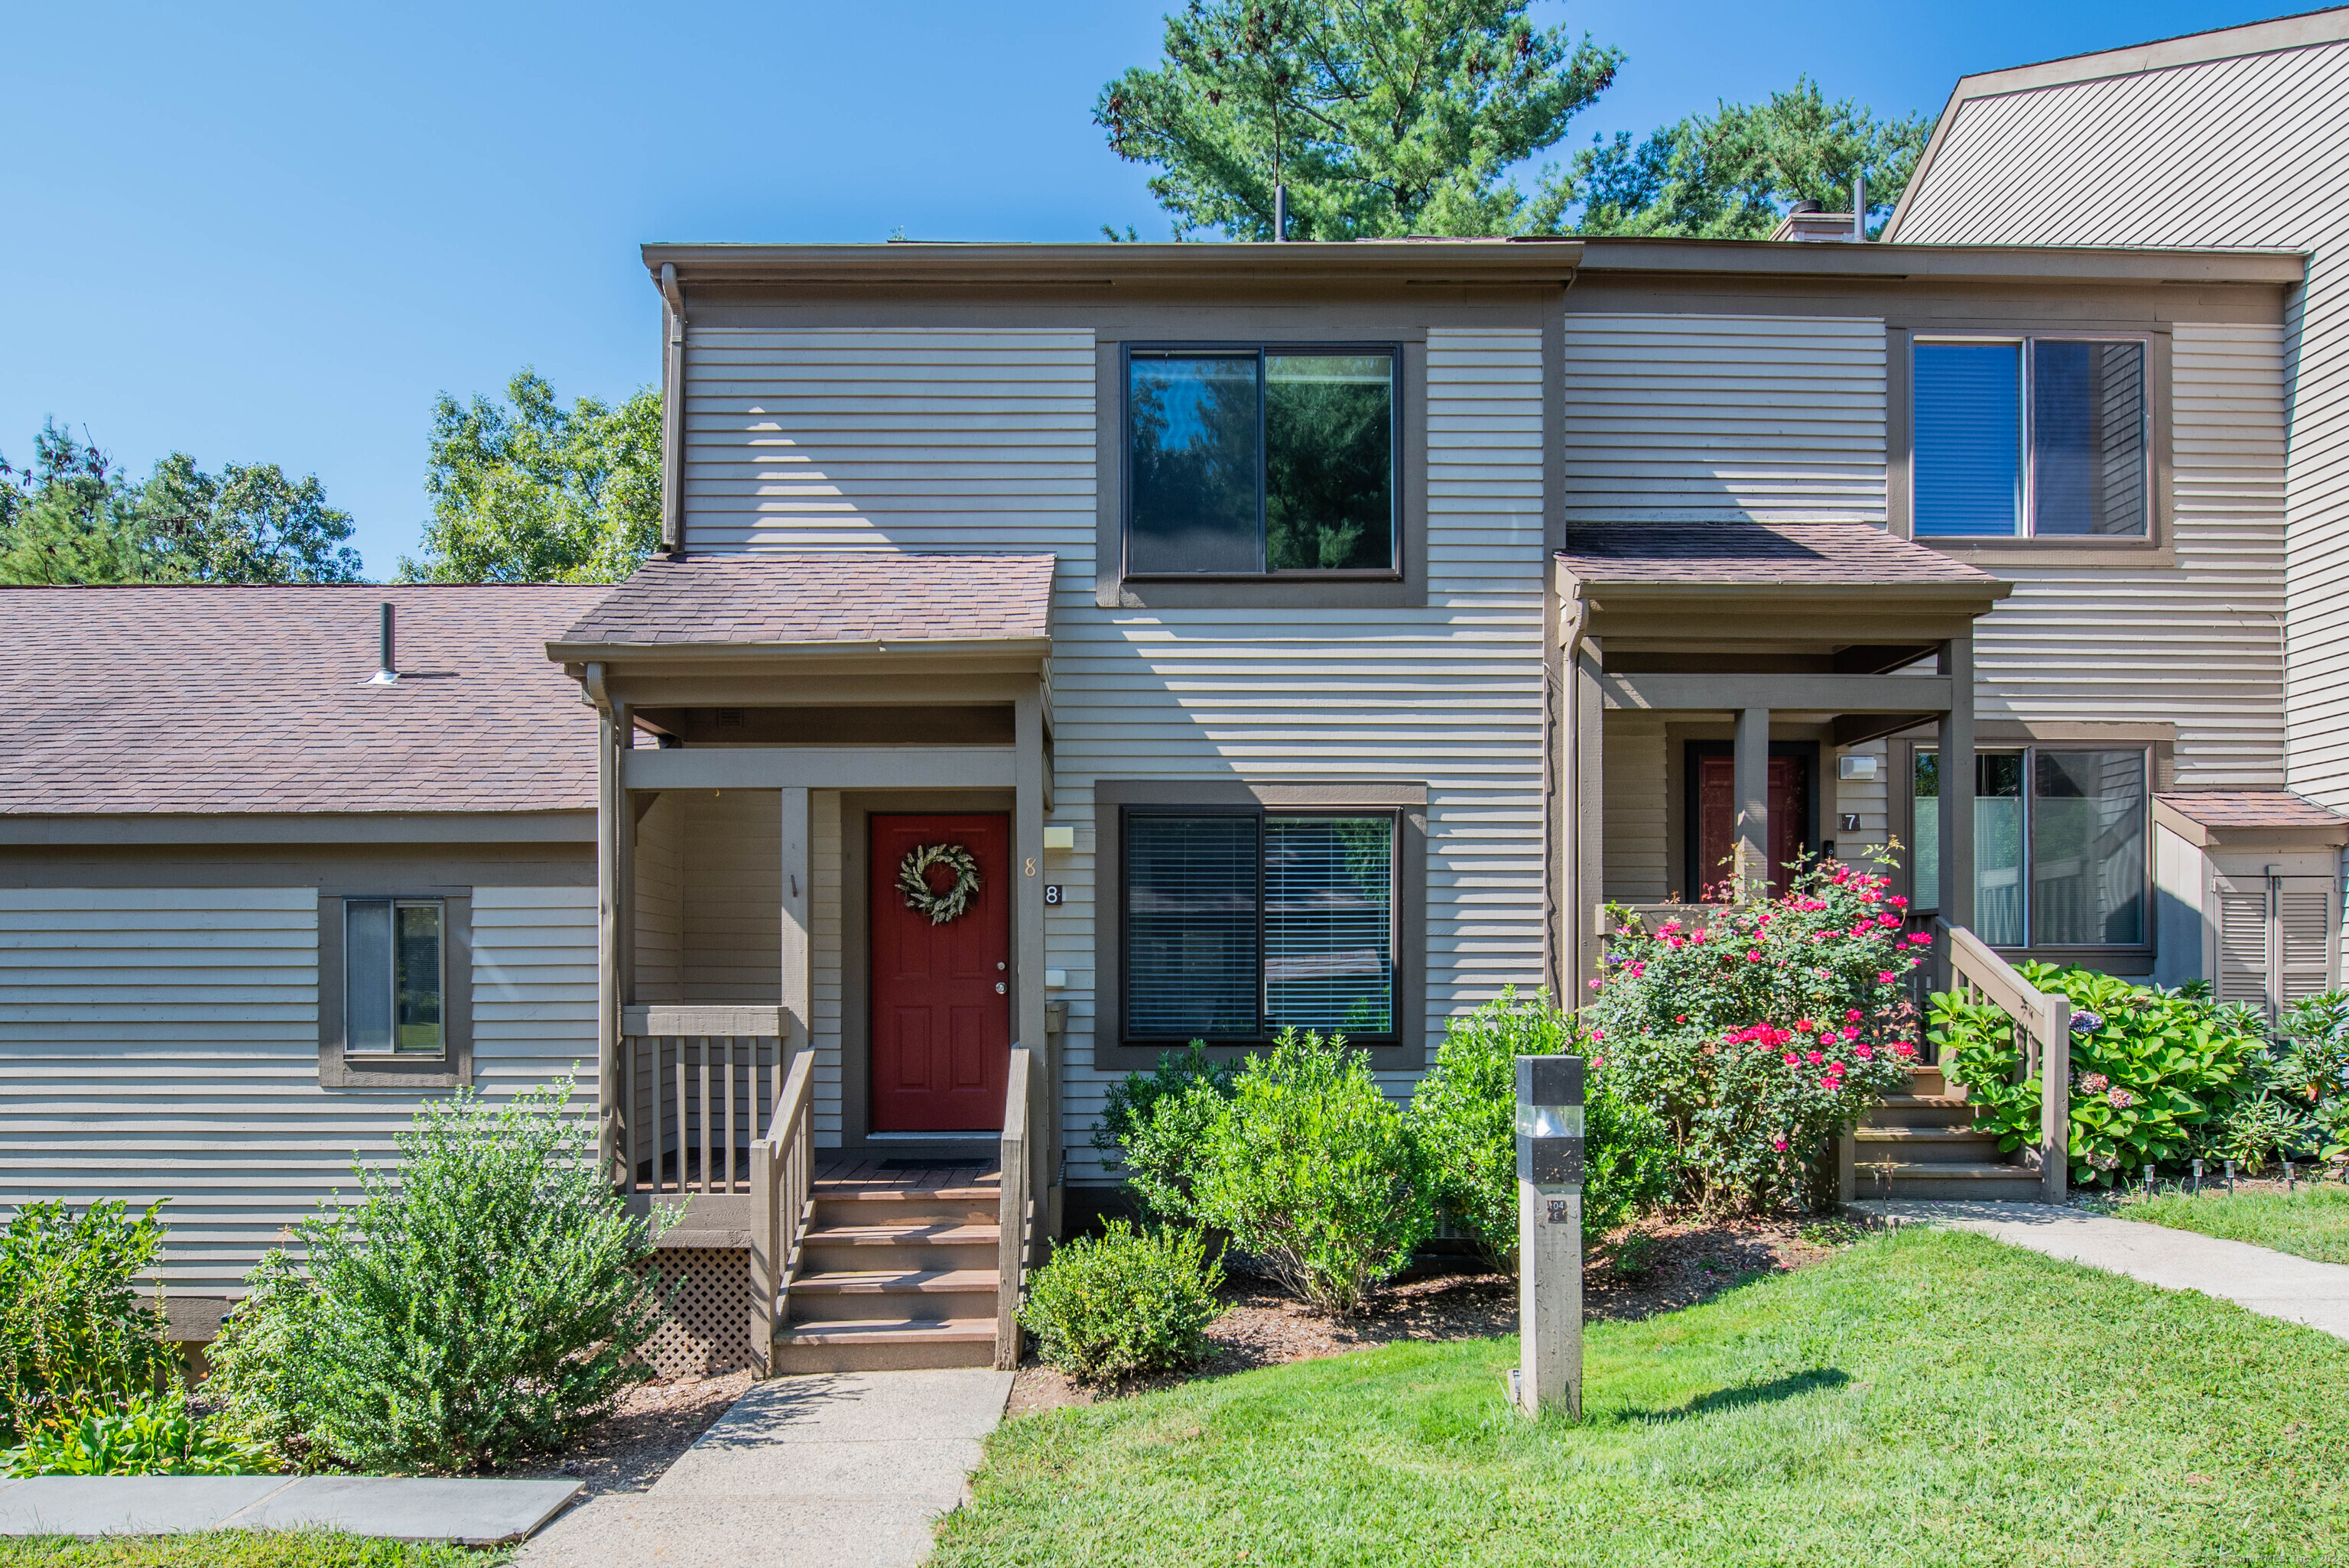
x,y
274,233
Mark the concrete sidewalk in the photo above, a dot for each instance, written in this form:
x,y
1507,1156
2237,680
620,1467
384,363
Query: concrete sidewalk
x,y
471,1512
2275,1284
846,1468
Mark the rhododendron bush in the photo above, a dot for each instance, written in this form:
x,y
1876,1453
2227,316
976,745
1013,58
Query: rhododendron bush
x,y
1762,1032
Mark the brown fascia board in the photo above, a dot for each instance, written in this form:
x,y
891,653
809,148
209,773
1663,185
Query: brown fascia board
x,y
916,266
2273,36
1597,590
266,828
575,656
1880,261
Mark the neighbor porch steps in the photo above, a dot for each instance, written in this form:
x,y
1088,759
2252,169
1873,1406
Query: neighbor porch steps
x,y
1923,1144
897,1270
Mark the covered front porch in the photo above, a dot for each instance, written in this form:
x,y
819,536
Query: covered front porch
x,y
1726,693
825,1031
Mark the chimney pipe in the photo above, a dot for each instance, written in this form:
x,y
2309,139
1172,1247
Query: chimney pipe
x,y
1859,205
1279,213
387,666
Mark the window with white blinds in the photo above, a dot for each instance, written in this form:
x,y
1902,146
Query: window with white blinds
x,y
1239,924
2040,436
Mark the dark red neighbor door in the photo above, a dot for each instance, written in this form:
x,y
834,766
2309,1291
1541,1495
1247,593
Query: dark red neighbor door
x,y
941,1001
1716,831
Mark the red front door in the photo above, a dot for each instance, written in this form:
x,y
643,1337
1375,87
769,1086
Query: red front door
x,y
1716,830
941,992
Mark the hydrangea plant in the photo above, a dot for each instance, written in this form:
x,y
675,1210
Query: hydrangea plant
x,y
1761,1032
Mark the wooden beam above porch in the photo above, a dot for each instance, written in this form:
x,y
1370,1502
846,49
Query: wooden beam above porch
x,y
821,767
1784,692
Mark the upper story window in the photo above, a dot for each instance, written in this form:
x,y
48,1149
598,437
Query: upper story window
x,y
1242,462
2032,437
393,985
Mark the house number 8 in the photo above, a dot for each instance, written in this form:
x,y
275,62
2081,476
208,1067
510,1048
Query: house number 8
x,y
1032,865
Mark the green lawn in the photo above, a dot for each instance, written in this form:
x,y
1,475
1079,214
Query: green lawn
x,y
237,1549
1922,1398
2312,1222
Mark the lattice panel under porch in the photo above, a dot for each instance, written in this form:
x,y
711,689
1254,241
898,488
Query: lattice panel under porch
x,y
708,1330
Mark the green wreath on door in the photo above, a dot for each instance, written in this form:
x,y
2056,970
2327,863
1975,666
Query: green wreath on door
x,y
914,881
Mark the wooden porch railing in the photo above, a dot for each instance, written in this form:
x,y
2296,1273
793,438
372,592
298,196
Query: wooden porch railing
x,y
1023,1205
697,1082
783,1178
2042,1026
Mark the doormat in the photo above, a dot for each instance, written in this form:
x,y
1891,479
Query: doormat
x,y
944,1162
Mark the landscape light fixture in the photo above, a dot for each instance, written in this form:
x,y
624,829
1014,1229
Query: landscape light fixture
x,y
1548,1376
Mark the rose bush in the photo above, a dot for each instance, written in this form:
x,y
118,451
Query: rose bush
x,y
1761,1032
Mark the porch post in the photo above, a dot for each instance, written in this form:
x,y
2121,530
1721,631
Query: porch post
x,y
1589,804
1751,863
1027,1027
1956,771
611,801
797,992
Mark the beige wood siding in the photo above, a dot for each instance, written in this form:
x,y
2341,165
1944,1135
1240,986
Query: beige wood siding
x,y
963,441
733,854
1637,860
2197,643
1724,418
2250,151
163,1042
659,873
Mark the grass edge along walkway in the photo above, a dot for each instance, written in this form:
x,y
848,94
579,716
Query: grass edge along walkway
x,y
242,1549
1923,1397
2311,1223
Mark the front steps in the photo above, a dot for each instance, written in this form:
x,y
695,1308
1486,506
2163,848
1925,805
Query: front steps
x,y
895,1271
1922,1144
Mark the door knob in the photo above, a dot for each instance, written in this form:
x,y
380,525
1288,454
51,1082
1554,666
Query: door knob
x,y
1000,988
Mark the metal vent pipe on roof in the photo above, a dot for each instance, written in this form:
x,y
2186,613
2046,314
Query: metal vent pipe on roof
x,y
1859,205
386,664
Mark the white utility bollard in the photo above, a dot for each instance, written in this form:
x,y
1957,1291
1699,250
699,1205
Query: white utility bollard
x,y
1548,1376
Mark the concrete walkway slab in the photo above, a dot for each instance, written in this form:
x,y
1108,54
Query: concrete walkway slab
x,y
129,1504
2272,1284
471,1512
803,1472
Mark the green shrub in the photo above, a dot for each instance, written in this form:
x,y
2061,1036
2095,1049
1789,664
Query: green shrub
x,y
1153,1123
149,1435
1761,1032
74,1338
2312,1073
2151,1070
1310,1170
482,1300
1463,1126
1126,1302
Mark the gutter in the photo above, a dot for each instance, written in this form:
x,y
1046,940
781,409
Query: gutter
x,y
673,417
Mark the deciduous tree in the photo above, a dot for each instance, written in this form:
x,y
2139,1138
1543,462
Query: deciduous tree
x,y
527,490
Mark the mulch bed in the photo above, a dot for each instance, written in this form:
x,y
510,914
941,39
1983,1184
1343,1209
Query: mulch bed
x,y
1691,1260
656,1422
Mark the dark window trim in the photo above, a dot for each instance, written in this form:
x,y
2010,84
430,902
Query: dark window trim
x,y
453,1068
1405,1049
1258,348
2152,548
2126,954
1404,588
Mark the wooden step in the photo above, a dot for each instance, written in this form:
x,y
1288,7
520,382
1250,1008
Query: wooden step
x,y
877,1345
871,1293
918,1243
1942,1178
1921,1110
1927,1145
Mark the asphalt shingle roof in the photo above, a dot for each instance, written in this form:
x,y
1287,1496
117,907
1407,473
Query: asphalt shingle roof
x,y
2251,809
1759,554
257,699
862,596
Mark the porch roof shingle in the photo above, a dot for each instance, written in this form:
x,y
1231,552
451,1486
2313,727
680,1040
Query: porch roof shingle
x,y
1761,556
257,699
2251,809
848,596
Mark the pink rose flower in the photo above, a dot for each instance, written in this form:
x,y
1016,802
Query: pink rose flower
x,y
1779,1144
1849,1033
1851,1015
1815,1058
1884,976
